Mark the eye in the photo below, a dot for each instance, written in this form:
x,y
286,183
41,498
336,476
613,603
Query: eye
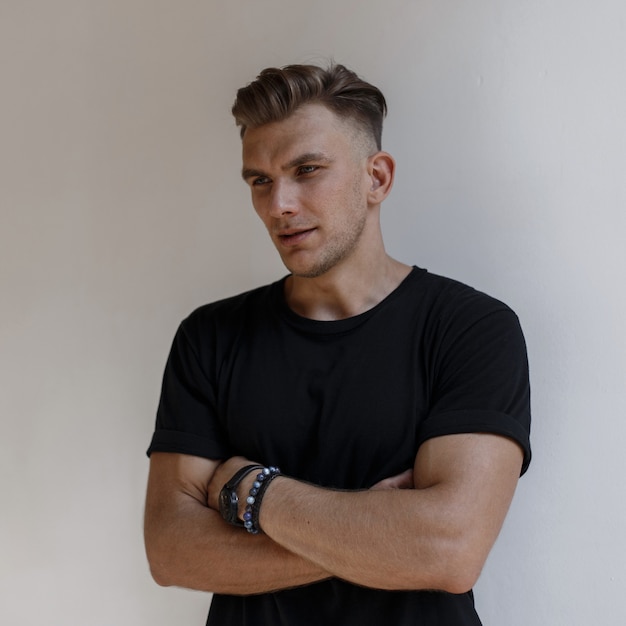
x,y
259,180
303,170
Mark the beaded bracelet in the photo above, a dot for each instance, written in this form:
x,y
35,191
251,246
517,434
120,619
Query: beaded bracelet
x,y
253,501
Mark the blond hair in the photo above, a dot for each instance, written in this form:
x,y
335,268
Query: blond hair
x,y
278,92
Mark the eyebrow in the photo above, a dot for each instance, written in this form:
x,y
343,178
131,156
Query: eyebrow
x,y
302,159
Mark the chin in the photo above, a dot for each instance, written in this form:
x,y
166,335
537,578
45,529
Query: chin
x,y
315,267
302,270
311,272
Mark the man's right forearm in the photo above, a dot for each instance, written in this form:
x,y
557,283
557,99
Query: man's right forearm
x,y
189,545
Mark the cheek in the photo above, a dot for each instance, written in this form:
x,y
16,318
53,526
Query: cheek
x,y
335,198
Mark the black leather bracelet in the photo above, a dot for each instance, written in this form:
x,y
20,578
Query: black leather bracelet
x,y
228,500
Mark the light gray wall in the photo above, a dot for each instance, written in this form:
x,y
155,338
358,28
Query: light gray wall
x,y
122,209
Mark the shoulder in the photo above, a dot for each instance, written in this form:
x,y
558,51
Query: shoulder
x,y
233,310
205,338
450,292
212,330
449,301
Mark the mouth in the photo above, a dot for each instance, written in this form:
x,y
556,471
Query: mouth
x,y
293,237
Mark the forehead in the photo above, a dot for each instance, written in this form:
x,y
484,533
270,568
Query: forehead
x,y
313,128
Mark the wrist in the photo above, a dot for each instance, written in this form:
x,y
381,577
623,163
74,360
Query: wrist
x,y
243,491
255,497
229,495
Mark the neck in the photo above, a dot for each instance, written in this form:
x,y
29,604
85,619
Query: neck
x,y
345,292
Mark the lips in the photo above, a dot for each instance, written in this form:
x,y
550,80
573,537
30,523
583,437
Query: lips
x,y
293,237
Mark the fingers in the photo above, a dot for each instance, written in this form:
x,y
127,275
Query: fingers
x,y
399,481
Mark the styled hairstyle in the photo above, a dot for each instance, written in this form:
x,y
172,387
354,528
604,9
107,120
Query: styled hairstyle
x,y
278,92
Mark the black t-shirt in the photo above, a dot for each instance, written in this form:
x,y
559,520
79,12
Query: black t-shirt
x,y
344,404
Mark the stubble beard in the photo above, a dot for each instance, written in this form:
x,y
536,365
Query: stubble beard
x,y
336,250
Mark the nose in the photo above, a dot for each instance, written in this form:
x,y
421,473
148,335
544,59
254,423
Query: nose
x,y
282,200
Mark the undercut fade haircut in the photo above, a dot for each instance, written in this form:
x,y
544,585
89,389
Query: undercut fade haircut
x,y
278,92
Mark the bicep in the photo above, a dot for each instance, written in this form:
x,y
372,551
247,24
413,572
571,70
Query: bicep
x,y
474,477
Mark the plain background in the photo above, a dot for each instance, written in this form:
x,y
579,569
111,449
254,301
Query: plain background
x,y
122,210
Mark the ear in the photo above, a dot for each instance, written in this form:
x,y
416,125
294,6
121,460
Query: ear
x,y
381,170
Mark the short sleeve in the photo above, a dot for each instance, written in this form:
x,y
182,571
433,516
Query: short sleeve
x,y
187,417
480,372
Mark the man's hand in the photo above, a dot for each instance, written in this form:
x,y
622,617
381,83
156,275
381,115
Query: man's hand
x,y
400,481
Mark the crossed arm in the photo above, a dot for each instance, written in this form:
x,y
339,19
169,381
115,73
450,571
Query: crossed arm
x,y
436,535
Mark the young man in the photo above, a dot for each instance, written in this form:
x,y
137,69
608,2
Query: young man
x,y
395,402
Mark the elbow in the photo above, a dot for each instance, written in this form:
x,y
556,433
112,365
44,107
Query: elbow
x,y
159,564
455,579
449,569
459,581
160,575
460,569
452,564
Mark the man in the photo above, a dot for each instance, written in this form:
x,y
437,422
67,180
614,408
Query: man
x,y
395,402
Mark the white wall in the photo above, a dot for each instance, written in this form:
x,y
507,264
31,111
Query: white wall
x,y
121,210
